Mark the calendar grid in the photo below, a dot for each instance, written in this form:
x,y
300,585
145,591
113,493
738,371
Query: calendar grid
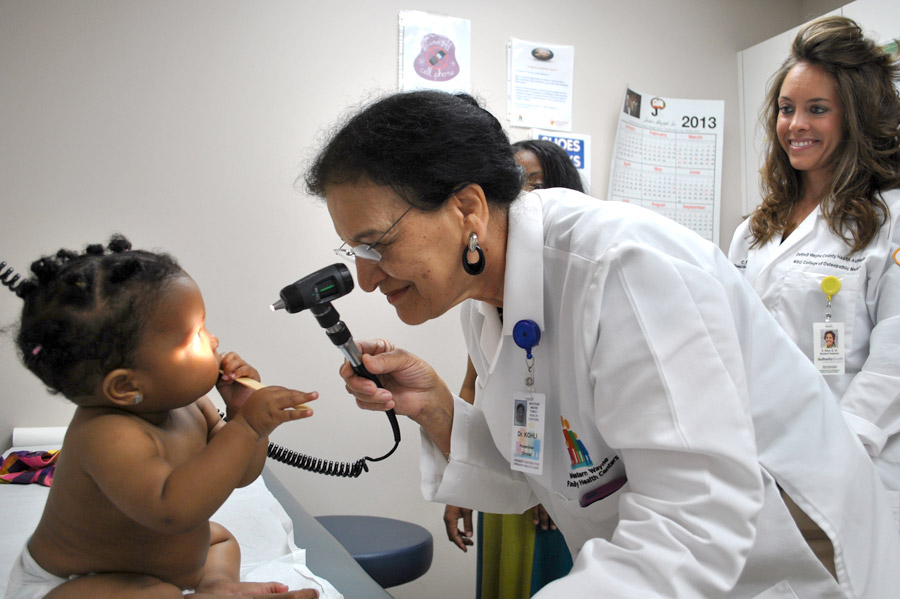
x,y
672,171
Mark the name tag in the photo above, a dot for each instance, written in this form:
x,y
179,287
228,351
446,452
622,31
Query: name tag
x,y
528,432
828,347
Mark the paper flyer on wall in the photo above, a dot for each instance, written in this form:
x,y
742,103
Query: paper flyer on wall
x,y
577,146
539,85
435,52
668,158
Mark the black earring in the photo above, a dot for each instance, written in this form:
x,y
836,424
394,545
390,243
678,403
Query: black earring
x,y
472,246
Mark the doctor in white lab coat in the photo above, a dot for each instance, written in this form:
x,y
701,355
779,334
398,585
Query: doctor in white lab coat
x,y
830,222
664,405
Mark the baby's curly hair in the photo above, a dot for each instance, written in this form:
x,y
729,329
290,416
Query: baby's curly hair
x,y
84,313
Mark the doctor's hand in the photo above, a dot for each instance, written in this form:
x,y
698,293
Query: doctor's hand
x,y
411,388
459,537
411,385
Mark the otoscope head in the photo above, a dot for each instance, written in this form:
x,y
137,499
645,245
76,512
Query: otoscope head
x,y
320,287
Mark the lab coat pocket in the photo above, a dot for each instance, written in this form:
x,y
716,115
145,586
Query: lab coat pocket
x,y
803,302
598,519
603,507
782,590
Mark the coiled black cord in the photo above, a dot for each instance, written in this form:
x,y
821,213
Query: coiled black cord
x,y
326,467
317,465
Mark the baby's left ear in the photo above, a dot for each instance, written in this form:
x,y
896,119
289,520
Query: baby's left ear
x,y
118,387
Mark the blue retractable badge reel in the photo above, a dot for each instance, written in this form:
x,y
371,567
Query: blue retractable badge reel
x,y
527,334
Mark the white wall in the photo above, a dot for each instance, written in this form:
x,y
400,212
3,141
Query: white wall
x,y
183,124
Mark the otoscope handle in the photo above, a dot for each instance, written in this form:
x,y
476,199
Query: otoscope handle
x,y
337,331
361,371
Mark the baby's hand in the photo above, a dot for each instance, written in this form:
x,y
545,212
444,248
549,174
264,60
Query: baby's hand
x,y
234,367
270,407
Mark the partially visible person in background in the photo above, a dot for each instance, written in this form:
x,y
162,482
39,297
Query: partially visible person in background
x,y
546,165
821,249
518,553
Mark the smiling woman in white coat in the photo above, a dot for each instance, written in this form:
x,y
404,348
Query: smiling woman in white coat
x,y
822,248
664,405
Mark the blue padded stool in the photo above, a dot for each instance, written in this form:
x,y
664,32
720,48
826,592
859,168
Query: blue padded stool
x,y
391,551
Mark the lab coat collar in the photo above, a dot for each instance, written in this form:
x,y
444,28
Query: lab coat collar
x,y
776,248
523,284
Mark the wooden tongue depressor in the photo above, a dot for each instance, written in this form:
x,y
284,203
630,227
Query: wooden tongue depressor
x,y
256,385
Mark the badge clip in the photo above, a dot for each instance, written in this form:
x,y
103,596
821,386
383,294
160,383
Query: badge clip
x,y
527,335
830,287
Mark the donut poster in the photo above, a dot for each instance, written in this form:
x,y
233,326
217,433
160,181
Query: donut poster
x,y
435,52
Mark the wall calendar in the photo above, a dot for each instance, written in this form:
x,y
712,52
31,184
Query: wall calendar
x,y
668,159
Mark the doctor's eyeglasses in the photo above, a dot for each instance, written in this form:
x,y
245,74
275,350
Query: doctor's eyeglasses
x,y
366,251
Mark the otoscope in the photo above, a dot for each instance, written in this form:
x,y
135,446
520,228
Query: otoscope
x,y
315,292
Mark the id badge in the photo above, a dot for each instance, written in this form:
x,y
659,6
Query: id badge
x,y
528,432
828,347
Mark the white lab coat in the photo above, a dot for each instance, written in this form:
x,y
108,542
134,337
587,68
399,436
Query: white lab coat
x,y
664,363
788,276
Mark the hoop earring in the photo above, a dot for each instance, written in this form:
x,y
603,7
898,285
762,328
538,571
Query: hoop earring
x,y
472,246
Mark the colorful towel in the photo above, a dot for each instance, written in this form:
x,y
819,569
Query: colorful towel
x,y
29,467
